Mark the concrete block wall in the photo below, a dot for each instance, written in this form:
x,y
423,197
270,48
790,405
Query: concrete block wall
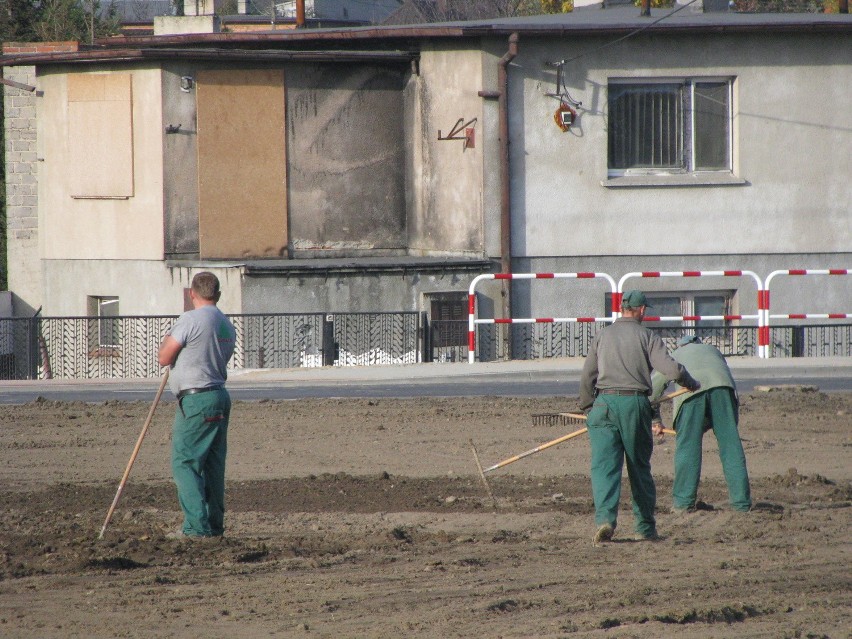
x,y
20,105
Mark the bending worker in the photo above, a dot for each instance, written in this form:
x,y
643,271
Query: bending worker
x,y
615,385
198,348
715,406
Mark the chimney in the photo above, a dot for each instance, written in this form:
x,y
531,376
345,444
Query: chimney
x,y
198,17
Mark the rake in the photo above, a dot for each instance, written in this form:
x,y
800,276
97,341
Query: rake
x,y
564,419
135,452
575,418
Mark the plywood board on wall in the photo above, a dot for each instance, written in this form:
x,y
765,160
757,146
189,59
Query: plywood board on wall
x,y
100,135
242,192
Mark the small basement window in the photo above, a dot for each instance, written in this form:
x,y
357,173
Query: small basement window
x,y
105,328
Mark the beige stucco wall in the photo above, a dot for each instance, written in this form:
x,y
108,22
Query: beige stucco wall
x,y
791,143
447,179
143,287
103,229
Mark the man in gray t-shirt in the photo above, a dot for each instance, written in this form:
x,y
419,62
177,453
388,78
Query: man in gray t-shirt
x,y
198,348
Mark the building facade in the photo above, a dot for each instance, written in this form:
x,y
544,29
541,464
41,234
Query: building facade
x,y
382,169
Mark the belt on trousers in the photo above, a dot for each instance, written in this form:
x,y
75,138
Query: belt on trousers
x,y
615,391
193,391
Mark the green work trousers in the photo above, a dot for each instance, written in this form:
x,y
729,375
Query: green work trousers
x,y
199,447
619,429
715,408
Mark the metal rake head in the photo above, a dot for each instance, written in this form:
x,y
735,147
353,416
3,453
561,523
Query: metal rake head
x,y
558,419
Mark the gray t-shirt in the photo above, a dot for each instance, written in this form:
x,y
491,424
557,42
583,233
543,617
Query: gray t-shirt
x,y
208,339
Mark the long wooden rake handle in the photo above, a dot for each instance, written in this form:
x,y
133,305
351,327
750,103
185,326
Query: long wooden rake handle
x,y
135,452
671,396
559,440
537,449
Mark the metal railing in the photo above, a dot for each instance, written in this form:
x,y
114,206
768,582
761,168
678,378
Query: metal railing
x,y
538,341
126,347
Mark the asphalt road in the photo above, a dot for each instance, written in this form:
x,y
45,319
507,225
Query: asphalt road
x,y
421,380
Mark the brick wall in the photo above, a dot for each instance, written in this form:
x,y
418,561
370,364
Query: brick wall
x,y
20,112
17,48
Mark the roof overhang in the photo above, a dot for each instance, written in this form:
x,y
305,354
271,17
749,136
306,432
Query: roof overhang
x,y
400,43
94,56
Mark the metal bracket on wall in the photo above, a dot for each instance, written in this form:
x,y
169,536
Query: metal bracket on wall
x,y
468,137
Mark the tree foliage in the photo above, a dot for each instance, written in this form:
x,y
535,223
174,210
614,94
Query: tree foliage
x,y
781,6
18,19
56,20
453,10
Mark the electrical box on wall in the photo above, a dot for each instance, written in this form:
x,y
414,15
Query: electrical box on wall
x,y
564,117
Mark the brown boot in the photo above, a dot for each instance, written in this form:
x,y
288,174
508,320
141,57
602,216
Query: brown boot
x,y
604,534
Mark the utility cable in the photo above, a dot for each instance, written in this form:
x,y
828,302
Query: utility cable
x,y
629,35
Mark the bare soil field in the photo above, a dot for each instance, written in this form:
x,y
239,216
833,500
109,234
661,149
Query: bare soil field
x,y
368,518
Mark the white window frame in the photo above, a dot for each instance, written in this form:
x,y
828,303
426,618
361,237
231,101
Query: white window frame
x,y
97,303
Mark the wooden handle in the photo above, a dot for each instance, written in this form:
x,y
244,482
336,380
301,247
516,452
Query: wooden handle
x,y
135,452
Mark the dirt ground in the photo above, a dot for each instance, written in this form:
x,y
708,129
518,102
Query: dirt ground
x,y
368,518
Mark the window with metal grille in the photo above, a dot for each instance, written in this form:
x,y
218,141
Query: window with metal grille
x,y
448,317
669,126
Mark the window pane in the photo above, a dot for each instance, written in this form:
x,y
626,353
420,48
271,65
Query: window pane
x,y
712,121
710,305
665,306
645,126
109,328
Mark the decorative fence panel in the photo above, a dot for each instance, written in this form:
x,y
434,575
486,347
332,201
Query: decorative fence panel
x,y
364,339
278,341
811,340
127,347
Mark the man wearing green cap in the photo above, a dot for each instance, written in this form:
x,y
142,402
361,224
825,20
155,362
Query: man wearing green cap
x,y
715,406
614,389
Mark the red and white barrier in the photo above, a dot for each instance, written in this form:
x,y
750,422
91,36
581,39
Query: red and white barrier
x,y
763,315
767,316
472,321
762,344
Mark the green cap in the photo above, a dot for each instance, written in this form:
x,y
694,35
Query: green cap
x,y
688,339
634,299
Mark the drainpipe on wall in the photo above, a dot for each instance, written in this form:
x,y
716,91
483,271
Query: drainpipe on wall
x,y
505,190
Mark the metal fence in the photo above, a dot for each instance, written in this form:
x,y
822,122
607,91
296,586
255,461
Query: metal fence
x,y
496,342
127,347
